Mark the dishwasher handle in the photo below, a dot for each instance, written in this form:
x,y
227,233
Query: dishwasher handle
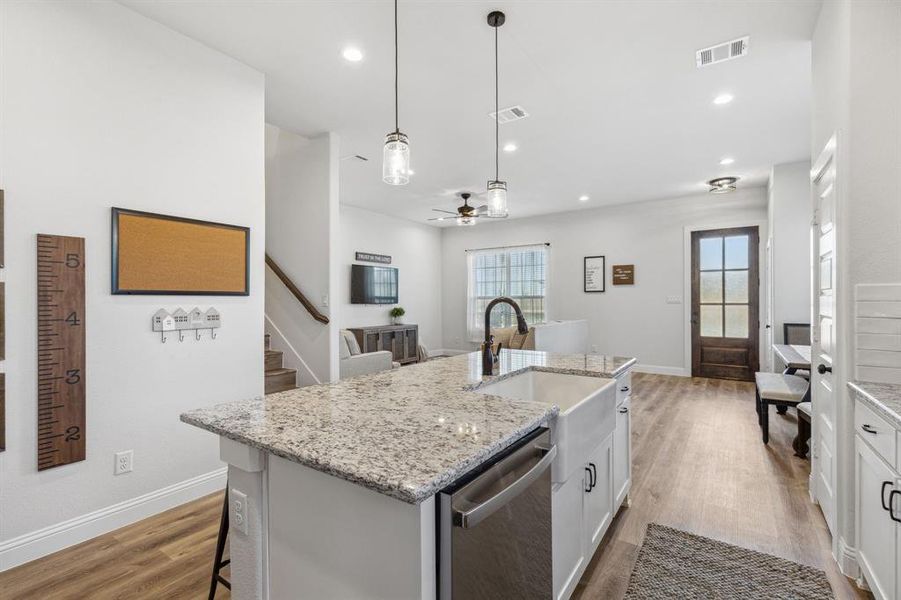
x,y
475,515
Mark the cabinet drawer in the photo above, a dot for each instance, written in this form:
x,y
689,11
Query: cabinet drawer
x,y
876,432
623,386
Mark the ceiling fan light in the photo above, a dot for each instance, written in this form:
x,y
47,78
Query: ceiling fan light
x,y
497,200
466,221
396,159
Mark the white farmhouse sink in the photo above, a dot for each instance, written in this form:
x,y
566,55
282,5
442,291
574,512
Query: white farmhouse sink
x,y
587,411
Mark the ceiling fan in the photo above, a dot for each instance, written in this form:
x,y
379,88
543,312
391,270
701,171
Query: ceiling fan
x,y
466,214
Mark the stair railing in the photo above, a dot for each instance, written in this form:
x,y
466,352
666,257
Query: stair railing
x,y
295,291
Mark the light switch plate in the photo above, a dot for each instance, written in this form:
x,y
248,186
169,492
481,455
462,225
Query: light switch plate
x,y
238,500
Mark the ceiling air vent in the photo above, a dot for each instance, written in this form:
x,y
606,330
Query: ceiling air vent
x,y
506,115
723,52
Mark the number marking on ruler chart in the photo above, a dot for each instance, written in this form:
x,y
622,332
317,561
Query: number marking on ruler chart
x,y
61,351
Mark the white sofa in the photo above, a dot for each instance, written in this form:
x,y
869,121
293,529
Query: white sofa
x,y
567,337
353,363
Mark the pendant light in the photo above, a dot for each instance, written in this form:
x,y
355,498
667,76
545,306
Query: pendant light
x,y
497,189
396,154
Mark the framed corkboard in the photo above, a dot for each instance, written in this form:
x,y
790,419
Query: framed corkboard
x,y
160,254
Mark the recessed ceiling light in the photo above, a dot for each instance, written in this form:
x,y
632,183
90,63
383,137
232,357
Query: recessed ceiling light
x,y
352,54
727,161
510,147
583,198
723,99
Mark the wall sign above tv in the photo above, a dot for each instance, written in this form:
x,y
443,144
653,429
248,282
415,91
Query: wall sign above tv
x,y
375,258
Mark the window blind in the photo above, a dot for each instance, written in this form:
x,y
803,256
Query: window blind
x,y
519,272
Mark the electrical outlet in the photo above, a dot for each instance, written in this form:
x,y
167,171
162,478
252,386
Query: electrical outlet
x,y
324,299
674,299
124,461
239,510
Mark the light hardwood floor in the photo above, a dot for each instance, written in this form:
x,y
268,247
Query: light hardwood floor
x,y
698,464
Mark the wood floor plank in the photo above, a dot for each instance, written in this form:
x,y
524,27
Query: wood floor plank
x,y
698,464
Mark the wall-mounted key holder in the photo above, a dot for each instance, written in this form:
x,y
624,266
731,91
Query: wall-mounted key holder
x,y
180,321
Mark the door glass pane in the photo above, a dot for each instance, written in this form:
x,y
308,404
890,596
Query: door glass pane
x,y
736,286
737,321
737,252
712,321
712,286
711,253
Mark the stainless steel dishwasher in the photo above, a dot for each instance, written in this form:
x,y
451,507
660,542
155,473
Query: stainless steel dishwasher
x,y
494,527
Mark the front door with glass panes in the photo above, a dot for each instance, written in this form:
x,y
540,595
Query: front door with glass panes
x,y
724,303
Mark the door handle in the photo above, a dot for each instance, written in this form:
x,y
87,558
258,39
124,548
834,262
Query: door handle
x,y
885,506
891,512
868,428
823,369
474,516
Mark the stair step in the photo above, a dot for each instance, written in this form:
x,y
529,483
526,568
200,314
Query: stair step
x,y
279,380
266,341
273,360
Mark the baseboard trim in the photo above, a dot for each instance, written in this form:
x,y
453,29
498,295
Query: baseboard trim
x,y
30,546
847,559
448,352
659,370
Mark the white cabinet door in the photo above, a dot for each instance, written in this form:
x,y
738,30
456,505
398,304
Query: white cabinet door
x,y
877,534
568,546
622,453
598,501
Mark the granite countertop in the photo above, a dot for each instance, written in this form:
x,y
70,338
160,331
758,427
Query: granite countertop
x,y
885,398
407,432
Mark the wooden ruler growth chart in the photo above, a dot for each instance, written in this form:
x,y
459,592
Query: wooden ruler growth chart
x,y
61,351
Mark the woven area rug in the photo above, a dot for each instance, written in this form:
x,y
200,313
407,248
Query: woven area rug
x,y
677,564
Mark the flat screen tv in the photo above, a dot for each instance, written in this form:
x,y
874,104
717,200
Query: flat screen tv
x,y
373,285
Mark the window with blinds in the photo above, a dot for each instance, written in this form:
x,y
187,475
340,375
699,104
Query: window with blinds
x,y
518,272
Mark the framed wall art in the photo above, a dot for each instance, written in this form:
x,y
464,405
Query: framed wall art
x,y
160,254
593,272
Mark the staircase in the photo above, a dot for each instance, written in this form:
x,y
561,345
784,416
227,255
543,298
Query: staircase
x,y
278,378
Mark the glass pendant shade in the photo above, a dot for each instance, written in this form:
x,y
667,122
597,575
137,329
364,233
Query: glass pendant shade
x,y
466,221
396,159
497,200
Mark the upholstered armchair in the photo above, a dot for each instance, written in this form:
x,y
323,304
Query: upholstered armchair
x,y
353,363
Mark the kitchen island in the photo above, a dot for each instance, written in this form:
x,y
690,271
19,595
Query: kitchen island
x,y
332,487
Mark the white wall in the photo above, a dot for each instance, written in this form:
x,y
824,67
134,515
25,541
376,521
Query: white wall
x,y
102,107
790,213
415,249
301,227
625,320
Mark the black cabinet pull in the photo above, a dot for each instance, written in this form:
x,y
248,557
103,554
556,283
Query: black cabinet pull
x,y
885,506
624,410
891,512
823,369
594,475
868,428
625,388
590,480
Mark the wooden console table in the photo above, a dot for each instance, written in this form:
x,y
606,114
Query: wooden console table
x,y
401,340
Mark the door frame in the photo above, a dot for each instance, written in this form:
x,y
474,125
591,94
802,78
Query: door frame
x,y
762,233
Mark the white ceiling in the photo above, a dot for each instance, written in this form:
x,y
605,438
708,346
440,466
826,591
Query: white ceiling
x,y
618,109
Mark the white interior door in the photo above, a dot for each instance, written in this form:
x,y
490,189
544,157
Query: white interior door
x,y
823,467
